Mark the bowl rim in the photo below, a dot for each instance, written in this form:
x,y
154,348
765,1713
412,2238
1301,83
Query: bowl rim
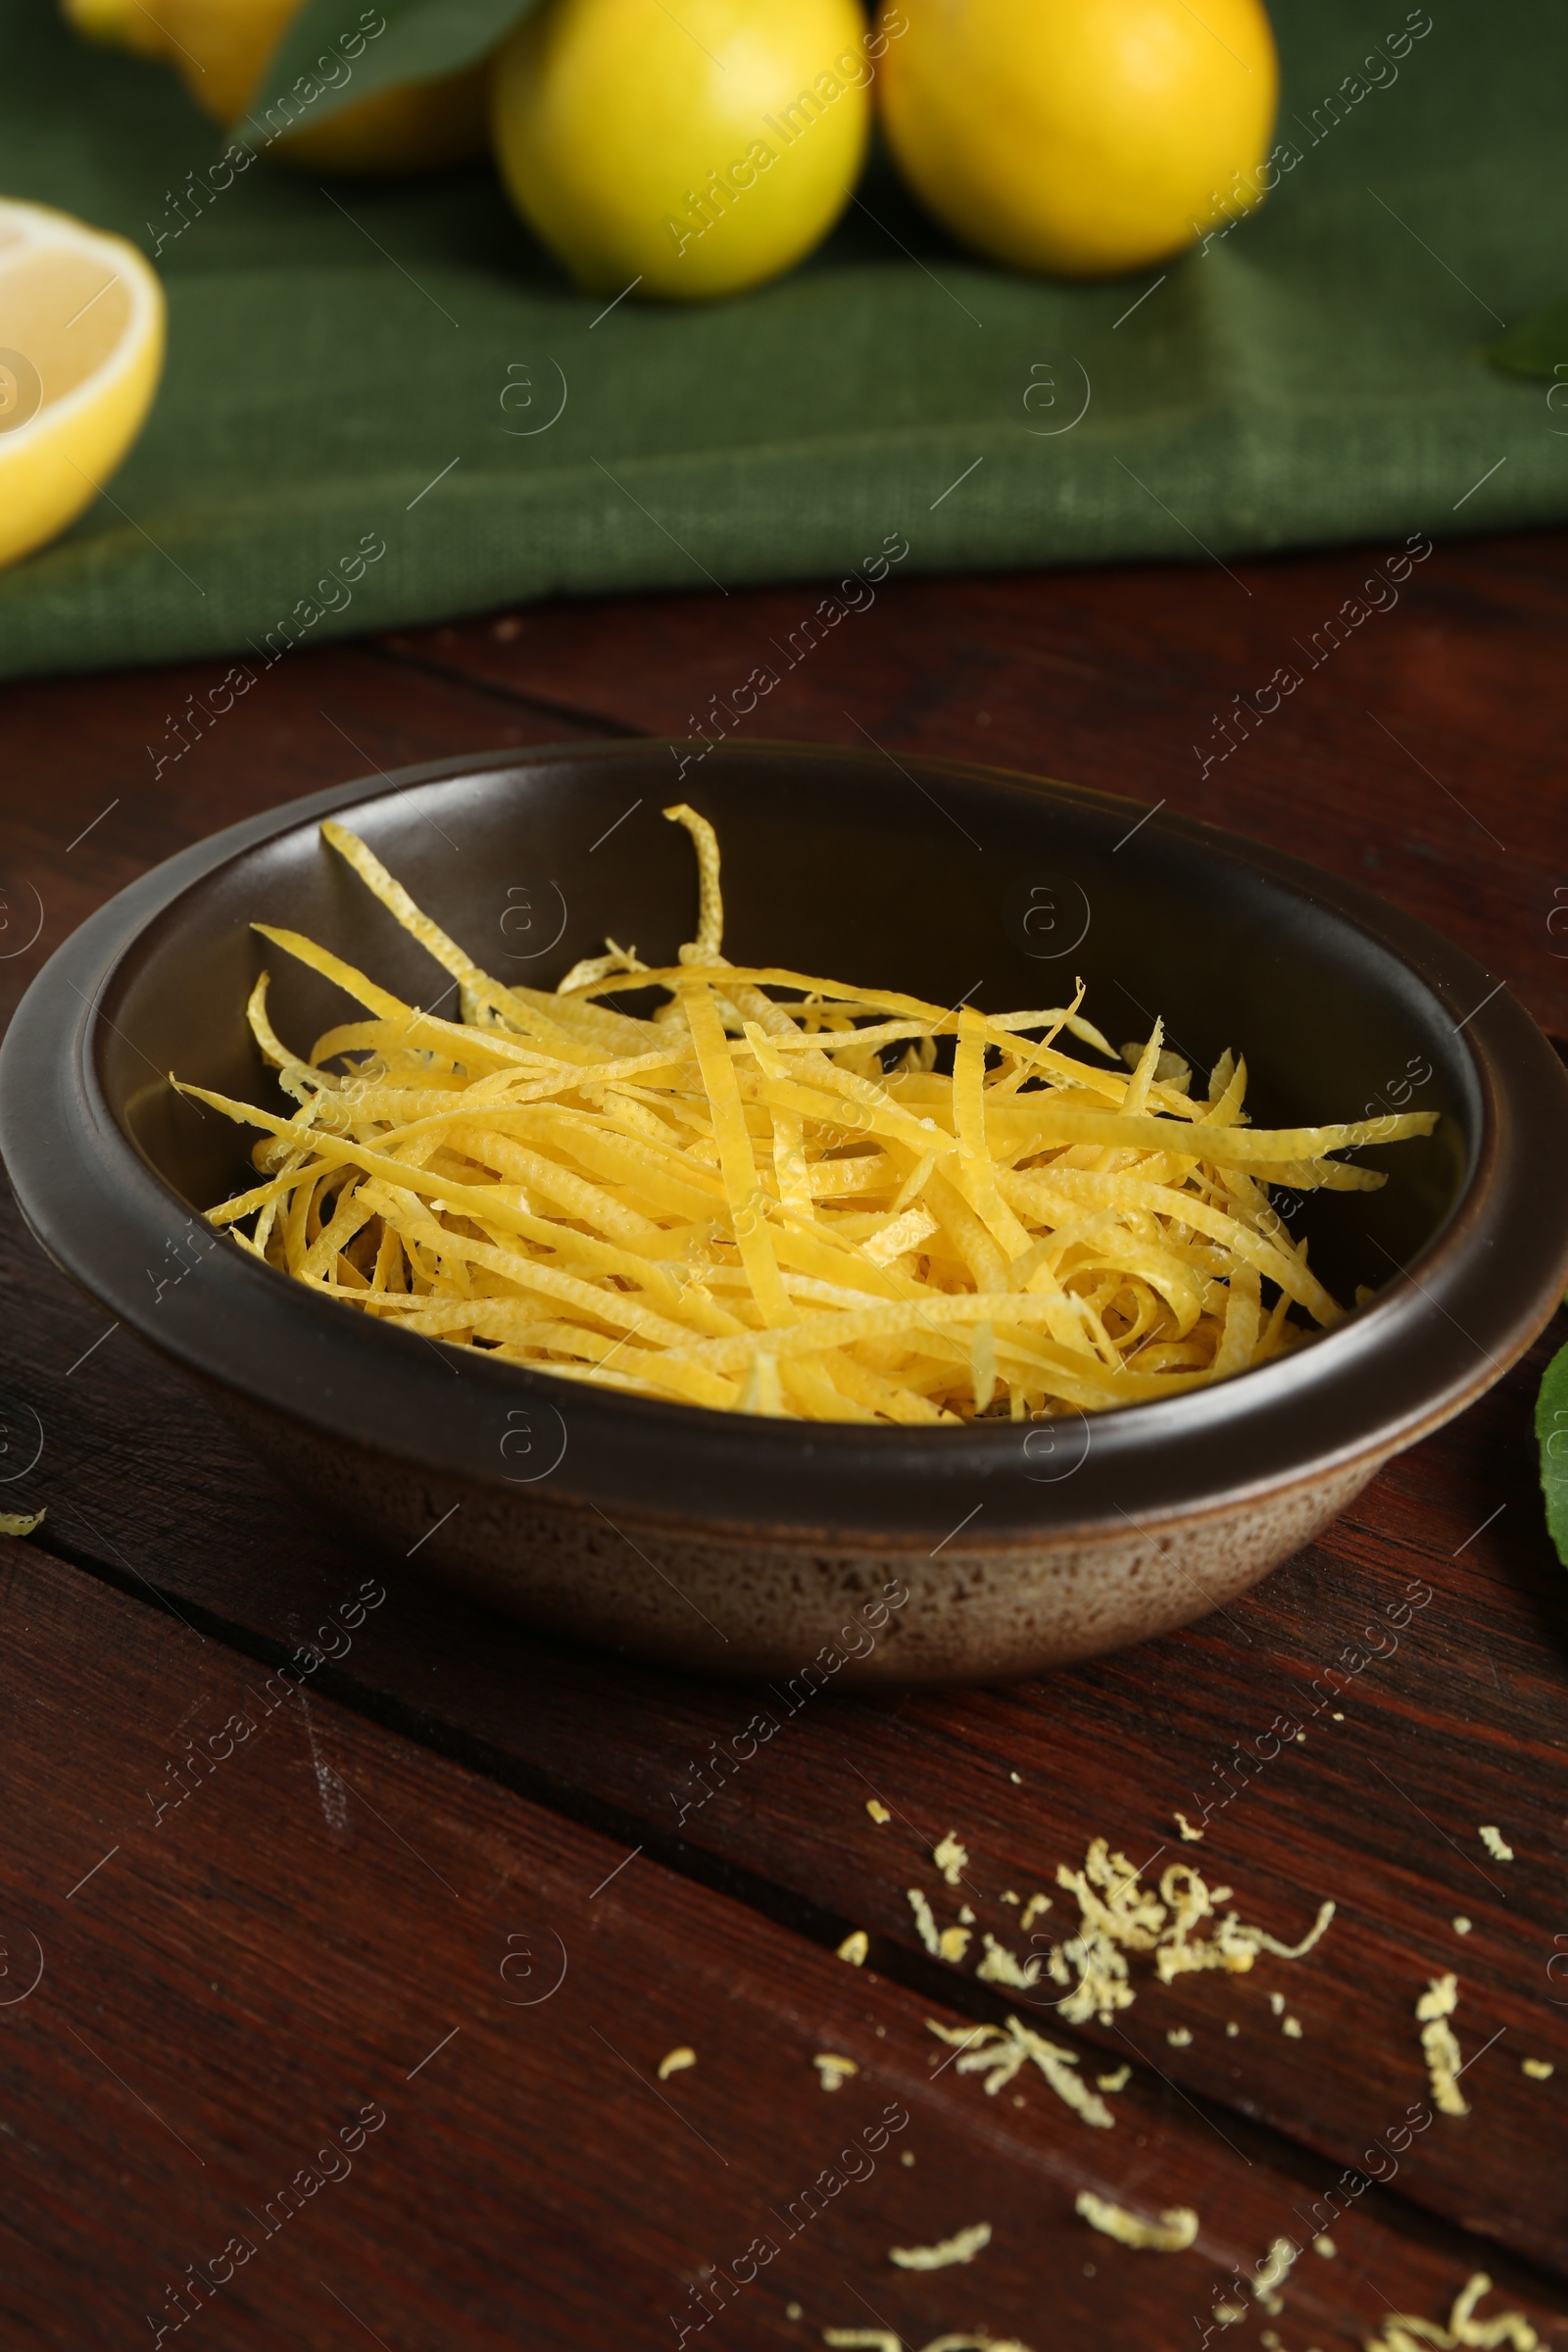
x,y
1443,1329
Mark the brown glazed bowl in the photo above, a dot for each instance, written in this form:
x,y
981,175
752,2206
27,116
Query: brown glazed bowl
x,y
745,1546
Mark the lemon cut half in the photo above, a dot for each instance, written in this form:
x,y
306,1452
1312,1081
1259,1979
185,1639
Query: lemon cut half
x,y
82,349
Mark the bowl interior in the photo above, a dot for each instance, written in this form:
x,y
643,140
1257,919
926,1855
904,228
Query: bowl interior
x,y
955,885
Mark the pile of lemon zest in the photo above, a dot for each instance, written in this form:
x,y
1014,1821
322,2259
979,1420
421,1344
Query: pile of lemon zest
x,y
736,1202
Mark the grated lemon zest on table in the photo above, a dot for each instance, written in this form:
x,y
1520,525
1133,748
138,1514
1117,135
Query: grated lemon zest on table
x,y
1117,2081
951,1858
1179,2037
20,1522
854,1947
1462,1926
1276,2001
1032,1910
924,1922
1190,1835
1119,1915
675,2061
1173,2233
1510,2329
1496,1846
833,2071
952,1944
878,1811
1275,2267
883,2339
963,2246
1440,2044
1001,2052
1292,2029
1540,2070
735,1202
1000,1967
1324,2244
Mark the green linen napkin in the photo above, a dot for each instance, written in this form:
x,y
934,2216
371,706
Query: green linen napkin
x,y
356,368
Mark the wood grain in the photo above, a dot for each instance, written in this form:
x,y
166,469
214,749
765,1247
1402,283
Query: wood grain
x,y
338,1962
1418,757
143,1479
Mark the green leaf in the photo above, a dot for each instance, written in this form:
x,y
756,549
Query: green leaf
x,y
1551,1428
1538,348
345,50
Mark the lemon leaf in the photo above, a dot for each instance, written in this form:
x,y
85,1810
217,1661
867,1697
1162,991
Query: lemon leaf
x,y
1551,1428
337,52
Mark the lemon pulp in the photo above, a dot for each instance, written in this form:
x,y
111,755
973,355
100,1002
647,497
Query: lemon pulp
x,y
83,324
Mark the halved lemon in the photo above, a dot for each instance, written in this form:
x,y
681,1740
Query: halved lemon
x,y
82,349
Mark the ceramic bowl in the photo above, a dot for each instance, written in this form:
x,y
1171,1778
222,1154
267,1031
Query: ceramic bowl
x,y
818,1555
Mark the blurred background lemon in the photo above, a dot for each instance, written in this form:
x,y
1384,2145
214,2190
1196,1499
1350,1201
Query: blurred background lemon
x,y
1082,137
83,325
701,155
121,24
221,49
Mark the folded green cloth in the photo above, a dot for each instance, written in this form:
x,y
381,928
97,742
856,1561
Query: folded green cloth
x,y
354,366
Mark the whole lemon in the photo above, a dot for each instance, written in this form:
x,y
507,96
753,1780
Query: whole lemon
x,y
1080,136
222,48
697,150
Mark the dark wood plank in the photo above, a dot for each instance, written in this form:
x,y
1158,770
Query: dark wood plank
x,y
1104,677
335,1940
1419,757
83,811
1452,1729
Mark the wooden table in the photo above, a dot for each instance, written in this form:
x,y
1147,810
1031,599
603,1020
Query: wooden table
x,y
413,1949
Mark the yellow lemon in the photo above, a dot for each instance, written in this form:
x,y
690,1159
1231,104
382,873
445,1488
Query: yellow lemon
x,y
83,317
221,49
119,24
1080,136
695,150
